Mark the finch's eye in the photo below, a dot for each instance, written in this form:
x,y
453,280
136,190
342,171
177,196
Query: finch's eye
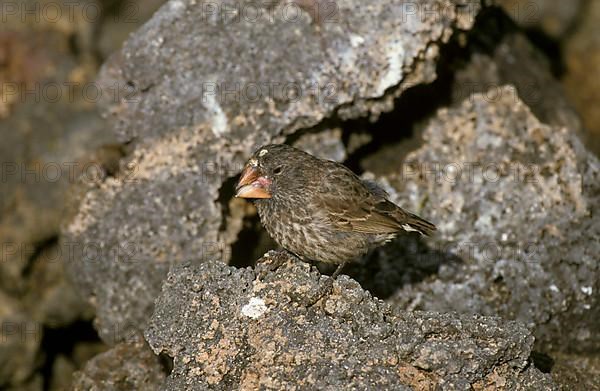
x,y
277,170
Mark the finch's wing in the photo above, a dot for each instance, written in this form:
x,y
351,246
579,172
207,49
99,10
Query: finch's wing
x,y
352,206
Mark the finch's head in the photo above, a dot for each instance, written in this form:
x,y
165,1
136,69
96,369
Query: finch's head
x,y
272,169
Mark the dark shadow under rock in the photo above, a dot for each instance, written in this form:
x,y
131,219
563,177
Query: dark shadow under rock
x,y
406,260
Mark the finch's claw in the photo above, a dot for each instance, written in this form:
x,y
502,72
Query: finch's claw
x,y
327,288
270,264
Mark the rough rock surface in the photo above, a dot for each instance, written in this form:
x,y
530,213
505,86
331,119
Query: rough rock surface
x,y
127,366
326,144
37,173
43,151
190,134
494,53
50,132
51,299
318,71
513,199
228,328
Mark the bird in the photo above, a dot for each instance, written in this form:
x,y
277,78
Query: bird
x,y
319,210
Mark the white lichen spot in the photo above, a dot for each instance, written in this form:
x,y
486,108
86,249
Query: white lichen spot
x,y
356,40
176,5
394,74
255,308
262,153
220,124
587,290
554,288
504,237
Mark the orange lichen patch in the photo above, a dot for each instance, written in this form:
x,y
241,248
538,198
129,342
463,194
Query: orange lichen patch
x,y
216,361
417,379
250,380
493,381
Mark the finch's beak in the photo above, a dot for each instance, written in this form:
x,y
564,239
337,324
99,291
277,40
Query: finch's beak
x,y
252,184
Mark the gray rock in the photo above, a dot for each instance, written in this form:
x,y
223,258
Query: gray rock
x,y
228,328
175,63
48,148
51,299
326,144
127,366
500,54
49,131
491,55
513,199
56,142
190,136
